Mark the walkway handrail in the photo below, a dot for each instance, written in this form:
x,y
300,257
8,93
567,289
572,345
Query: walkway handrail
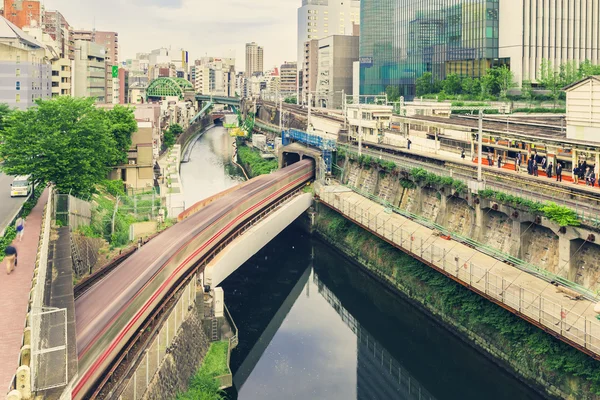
x,y
578,330
492,252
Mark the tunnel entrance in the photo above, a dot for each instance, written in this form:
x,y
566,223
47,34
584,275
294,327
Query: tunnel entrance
x,y
290,158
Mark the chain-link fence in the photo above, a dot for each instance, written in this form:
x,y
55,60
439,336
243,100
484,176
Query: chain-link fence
x,y
71,211
84,252
49,348
527,297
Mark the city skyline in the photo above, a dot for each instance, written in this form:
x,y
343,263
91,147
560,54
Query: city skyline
x,y
171,23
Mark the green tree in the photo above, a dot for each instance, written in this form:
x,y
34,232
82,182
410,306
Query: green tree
x,y
452,84
470,86
122,125
506,80
5,112
424,84
176,129
393,93
169,139
586,69
527,91
550,79
66,141
569,73
290,100
486,84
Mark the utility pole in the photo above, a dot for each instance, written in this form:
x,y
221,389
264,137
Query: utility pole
x,y
480,145
309,112
280,115
360,128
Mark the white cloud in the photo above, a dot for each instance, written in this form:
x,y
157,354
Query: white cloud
x,y
203,27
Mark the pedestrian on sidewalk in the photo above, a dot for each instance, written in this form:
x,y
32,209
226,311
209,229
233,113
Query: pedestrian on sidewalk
x,y
549,170
20,227
10,255
559,172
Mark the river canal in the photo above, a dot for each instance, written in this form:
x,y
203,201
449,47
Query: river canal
x,y
314,326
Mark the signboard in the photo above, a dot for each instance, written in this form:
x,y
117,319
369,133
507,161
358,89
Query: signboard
x,y
115,71
366,62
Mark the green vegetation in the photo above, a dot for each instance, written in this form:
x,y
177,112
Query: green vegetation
x,y
419,175
561,215
66,141
129,210
203,385
171,135
540,110
10,233
497,81
290,100
527,349
254,164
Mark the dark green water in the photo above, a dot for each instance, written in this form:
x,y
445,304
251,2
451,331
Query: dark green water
x,y
314,326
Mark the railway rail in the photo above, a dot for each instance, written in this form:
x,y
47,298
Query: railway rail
x,y
111,314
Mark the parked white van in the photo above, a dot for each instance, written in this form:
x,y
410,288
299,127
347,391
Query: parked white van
x,y
21,186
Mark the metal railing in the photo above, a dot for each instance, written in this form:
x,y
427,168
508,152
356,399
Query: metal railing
x,y
527,190
483,248
581,332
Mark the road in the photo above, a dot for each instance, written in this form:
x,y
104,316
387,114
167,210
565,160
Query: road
x,y
8,206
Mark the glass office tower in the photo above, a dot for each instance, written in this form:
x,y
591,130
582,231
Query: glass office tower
x,y
402,39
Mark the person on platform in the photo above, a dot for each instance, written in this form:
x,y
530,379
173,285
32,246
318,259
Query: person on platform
x,y
499,161
535,167
10,255
549,170
576,175
462,154
408,143
559,169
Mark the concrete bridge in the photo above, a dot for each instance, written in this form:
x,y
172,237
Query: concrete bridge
x,y
119,314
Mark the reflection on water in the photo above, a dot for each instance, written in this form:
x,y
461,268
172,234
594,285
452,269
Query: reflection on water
x,y
314,326
209,170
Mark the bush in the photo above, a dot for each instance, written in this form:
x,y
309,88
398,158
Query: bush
x,y
255,163
114,188
540,110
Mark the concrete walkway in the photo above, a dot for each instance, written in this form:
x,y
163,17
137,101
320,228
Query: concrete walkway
x,y
14,294
524,294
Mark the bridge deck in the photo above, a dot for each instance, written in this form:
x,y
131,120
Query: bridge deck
x,y
524,294
14,294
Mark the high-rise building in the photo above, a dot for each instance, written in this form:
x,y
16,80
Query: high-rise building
x,y
254,59
403,39
25,73
90,71
321,18
55,25
289,77
337,54
215,76
110,42
23,12
310,68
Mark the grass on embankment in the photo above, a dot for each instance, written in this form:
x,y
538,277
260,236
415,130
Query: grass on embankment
x,y
253,162
535,355
203,385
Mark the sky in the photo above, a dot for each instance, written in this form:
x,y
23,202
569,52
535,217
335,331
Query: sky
x,y
218,28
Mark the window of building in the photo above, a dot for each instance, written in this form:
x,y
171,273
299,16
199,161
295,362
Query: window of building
x,y
18,85
18,72
18,97
18,59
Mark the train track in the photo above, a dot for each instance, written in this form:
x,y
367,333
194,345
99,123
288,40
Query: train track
x,y
493,125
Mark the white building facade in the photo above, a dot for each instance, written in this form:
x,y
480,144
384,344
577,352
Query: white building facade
x,y
89,71
25,73
321,18
556,30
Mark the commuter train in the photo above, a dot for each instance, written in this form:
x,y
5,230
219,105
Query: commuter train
x,y
112,311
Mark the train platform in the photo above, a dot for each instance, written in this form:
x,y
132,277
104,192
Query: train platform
x,y
14,294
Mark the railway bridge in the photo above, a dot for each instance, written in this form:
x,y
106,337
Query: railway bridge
x,y
115,316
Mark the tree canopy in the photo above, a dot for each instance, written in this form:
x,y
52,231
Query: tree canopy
x,y
66,141
393,93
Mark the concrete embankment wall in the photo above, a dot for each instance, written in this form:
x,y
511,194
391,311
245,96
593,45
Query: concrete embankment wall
x,y
569,254
543,362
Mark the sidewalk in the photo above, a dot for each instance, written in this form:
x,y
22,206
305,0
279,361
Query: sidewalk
x,y
14,295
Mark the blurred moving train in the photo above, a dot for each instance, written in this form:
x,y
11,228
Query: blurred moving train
x,y
112,311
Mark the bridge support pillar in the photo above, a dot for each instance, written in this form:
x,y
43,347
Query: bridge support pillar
x,y
219,302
